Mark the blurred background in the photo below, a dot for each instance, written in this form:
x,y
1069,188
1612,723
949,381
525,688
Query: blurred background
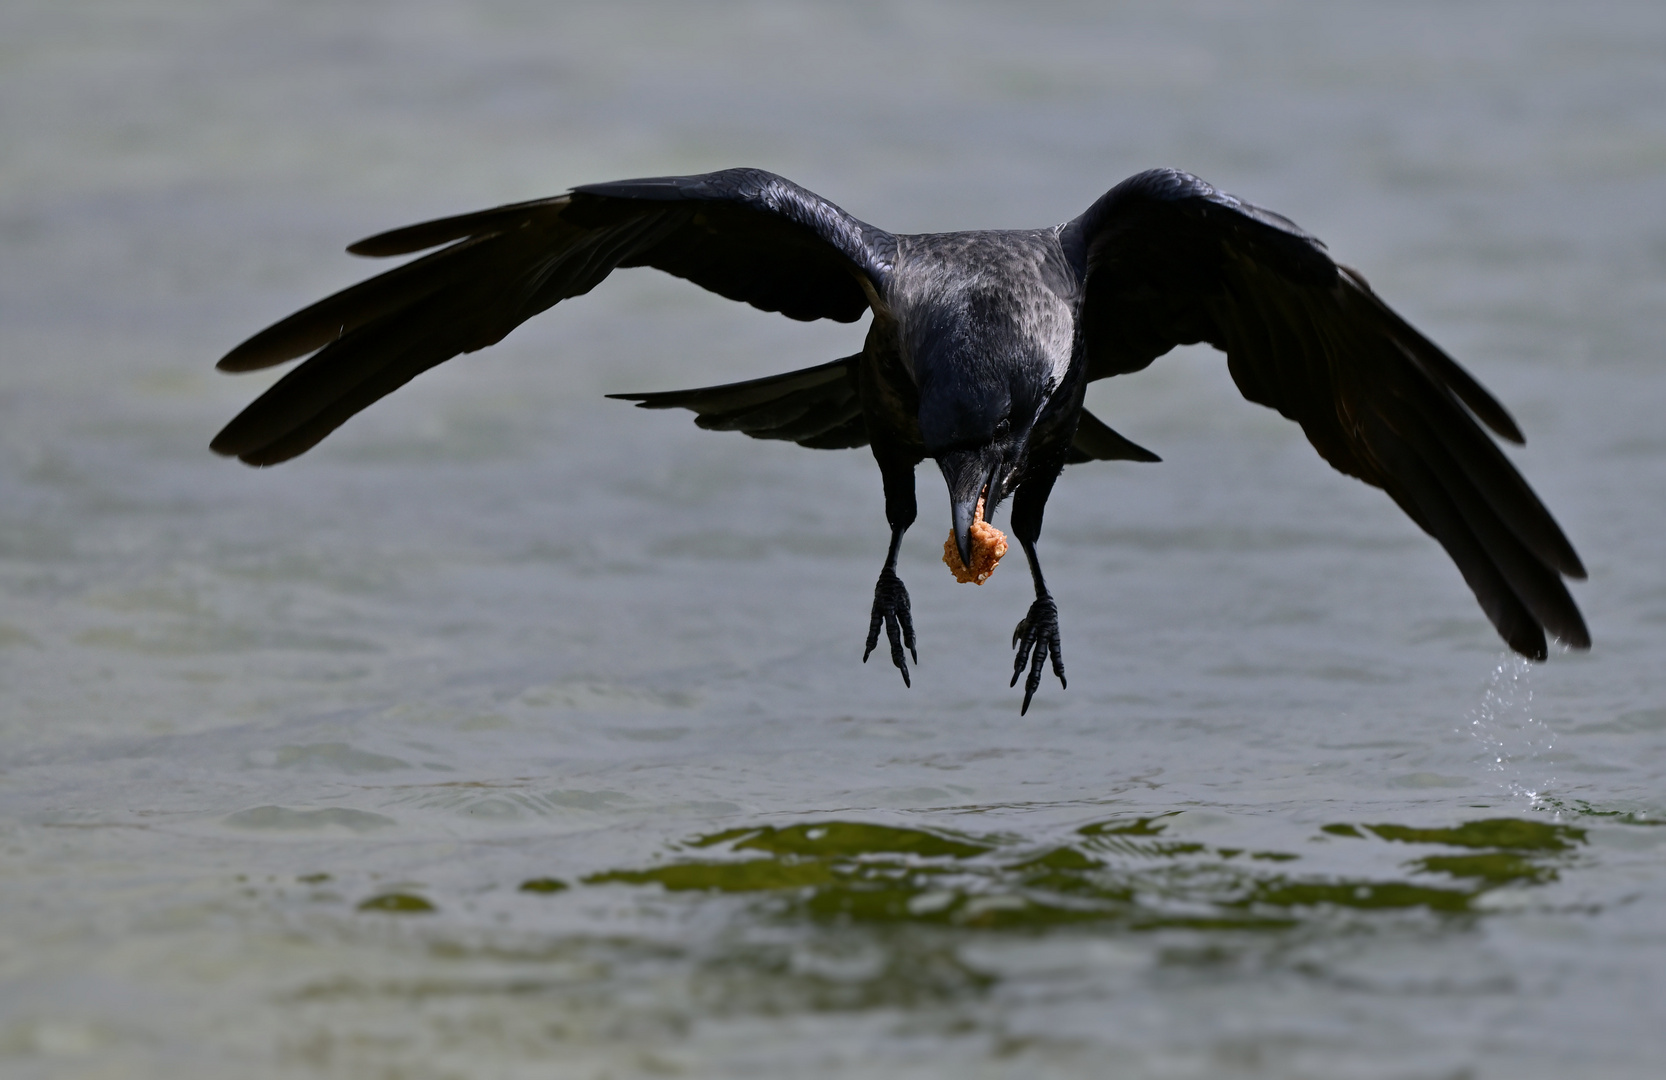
x,y
513,731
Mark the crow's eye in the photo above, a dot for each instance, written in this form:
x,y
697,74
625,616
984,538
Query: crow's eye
x,y
1003,429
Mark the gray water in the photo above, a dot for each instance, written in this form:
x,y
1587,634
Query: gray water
x,y
514,732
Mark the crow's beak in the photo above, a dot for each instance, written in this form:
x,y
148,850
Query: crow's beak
x,y
965,510
971,478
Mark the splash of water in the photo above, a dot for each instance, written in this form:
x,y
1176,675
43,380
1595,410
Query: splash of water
x,y
1513,742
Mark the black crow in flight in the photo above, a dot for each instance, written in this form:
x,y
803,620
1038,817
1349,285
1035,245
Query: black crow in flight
x,y
981,348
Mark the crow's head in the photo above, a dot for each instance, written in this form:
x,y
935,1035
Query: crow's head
x,y
983,383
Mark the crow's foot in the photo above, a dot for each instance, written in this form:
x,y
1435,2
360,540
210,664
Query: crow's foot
x,y
1037,637
890,606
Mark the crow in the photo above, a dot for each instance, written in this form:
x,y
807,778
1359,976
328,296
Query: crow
x,y
978,356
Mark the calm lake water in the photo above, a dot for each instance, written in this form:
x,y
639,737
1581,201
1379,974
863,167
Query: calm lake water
x,y
514,732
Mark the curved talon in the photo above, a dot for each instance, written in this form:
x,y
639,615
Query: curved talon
x,y
1036,638
890,607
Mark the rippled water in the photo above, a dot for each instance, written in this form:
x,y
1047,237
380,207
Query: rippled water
x,y
514,732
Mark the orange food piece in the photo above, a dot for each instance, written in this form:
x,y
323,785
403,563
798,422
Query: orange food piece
x,y
988,545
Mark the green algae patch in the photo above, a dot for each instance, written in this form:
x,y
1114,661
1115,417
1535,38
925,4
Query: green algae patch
x,y
752,875
881,897
860,869
1582,808
1493,867
1361,895
1515,834
1064,860
1495,851
544,885
398,904
1123,872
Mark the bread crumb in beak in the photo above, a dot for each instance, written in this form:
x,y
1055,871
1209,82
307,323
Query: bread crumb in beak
x,y
988,545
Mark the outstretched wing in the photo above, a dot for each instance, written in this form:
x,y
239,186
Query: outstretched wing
x,y
1167,260
743,233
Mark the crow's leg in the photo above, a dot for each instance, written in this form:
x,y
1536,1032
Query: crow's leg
x,y
890,607
1037,636
890,598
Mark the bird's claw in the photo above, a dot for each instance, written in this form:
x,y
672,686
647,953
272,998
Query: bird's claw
x,y
890,607
1036,638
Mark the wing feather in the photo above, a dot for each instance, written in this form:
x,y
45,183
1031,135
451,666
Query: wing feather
x,y
1095,440
818,407
743,233
1166,259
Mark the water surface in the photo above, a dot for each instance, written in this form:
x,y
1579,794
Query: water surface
x,y
514,732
